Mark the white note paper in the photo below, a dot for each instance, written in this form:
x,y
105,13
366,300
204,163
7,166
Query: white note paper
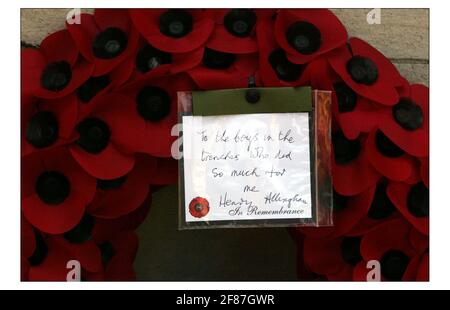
x,y
246,167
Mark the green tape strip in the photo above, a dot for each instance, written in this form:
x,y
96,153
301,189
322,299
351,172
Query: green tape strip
x,y
232,101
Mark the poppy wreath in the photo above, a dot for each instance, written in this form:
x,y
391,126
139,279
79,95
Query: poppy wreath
x,y
98,102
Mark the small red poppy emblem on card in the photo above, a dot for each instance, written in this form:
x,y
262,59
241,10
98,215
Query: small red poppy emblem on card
x,y
199,207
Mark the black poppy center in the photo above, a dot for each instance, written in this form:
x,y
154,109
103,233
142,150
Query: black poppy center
x,y
346,97
217,60
418,200
198,207
56,76
40,251
153,103
381,207
339,202
240,22
393,265
386,147
111,184
149,58
92,87
175,23
408,114
42,129
109,43
107,252
284,69
52,187
304,37
362,70
350,250
94,135
345,150
82,232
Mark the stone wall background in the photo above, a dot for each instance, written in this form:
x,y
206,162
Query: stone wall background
x,y
246,254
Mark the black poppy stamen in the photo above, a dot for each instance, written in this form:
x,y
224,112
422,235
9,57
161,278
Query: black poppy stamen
x,y
40,251
112,184
362,70
284,69
92,87
350,250
149,58
393,265
109,43
418,200
408,114
386,147
339,202
345,150
175,23
304,37
381,207
42,129
346,97
240,22
153,103
56,76
94,135
107,252
52,187
213,59
82,232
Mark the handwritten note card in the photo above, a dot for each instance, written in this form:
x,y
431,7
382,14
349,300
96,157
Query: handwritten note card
x,y
247,167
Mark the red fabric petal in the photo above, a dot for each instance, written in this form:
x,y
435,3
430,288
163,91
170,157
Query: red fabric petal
x,y
32,65
397,169
117,18
424,170
83,34
87,253
333,32
398,193
222,40
27,238
59,46
147,22
423,272
109,164
419,241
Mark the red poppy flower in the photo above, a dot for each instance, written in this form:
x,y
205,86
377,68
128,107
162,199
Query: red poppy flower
x,y
367,71
97,149
347,212
149,110
221,70
49,261
413,202
55,69
105,38
235,29
118,255
352,171
46,123
386,157
55,190
407,122
389,245
199,207
117,197
307,33
275,69
173,30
